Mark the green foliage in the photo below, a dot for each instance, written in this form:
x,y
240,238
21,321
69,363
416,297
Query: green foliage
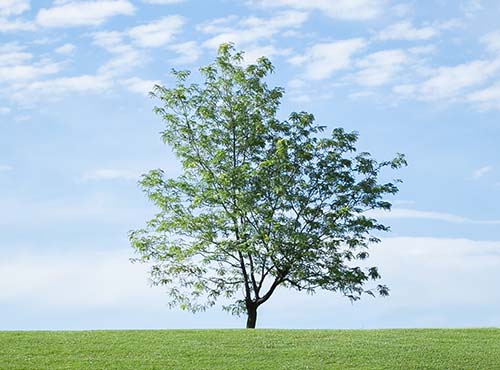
x,y
262,202
435,349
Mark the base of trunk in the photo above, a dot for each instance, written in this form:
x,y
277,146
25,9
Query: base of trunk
x,y
252,317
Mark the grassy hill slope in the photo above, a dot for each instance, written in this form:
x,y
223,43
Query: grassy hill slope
x,y
471,349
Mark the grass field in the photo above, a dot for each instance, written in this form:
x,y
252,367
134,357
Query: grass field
x,y
471,349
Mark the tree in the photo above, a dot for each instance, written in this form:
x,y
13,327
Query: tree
x,y
262,202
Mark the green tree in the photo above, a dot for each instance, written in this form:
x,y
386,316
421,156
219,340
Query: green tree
x,y
261,202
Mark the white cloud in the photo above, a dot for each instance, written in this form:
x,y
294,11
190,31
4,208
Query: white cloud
x,y
139,86
66,49
381,67
88,208
361,94
480,172
79,280
111,41
402,10
252,53
406,31
403,213
406,90
153,34
15,25
59,87
97,207
13,7
296,84
123,62
283,20
451,82
338,9
471,7
250,30
188,52
404,202
4,110
5,168
19,73
12,54
75,280
410,266
125,56
492,41
298,97
488,98
157,33
427,278
22,118
163,2
217,25
422,50
83,13
324,59
112,174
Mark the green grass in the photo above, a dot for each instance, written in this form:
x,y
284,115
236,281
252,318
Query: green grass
x,y
471,349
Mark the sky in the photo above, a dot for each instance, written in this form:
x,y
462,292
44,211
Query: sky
x,y
77,130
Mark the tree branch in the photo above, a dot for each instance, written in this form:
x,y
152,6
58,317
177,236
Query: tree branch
x,y
270,292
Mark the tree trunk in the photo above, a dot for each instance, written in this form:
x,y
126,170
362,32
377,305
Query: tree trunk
x,y
252,316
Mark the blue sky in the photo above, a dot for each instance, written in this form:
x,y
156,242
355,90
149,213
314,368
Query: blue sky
x,y
418,77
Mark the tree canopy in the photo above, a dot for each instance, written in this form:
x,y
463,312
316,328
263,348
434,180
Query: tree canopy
x,y
262,203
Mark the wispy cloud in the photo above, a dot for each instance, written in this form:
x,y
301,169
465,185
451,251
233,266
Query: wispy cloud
x,y
22,118
106,281
13,54
322,60
139,86
18,65
380,67
250,30
451,82
87,208
480,172
252,53
66,49
450,265
124,58
83,13
158,32
163,2
24,72
75,280
339,9
110,174
15,25
404,202
5,168
471,7
406,31
187,52
492,41
488,98
403,213
127,46
58,87
13,7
